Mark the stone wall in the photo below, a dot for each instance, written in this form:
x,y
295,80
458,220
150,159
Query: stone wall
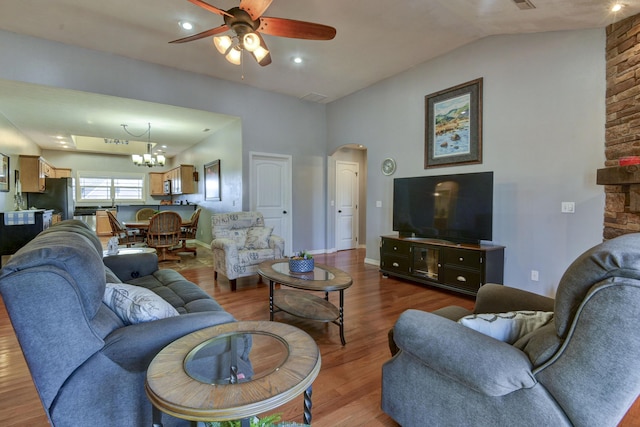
x,y
622,136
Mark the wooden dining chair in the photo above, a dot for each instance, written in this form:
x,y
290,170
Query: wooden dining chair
x,y
164,233
189,232
126,236
145,214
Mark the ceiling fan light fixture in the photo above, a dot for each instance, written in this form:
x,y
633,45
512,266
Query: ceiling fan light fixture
x,y
260,53
235,55
617,7
251,41
222,43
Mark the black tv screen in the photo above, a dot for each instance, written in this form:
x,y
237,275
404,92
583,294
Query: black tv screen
x,y
457,208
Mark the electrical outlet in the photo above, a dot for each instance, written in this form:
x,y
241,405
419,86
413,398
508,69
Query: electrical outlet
x,y
535,275
568,207
378,203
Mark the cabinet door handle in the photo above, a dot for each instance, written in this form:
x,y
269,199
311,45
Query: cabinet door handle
x,y
395,264
460,259
461,279
395,248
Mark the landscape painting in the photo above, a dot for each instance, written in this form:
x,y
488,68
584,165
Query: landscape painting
x,y
453,125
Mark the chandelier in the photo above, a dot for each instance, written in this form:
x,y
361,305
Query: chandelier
x,y
146,159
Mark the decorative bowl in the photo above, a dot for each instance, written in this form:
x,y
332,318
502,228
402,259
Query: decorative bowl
x,y
301,265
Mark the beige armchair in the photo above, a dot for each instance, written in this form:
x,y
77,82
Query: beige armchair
x,y
241,241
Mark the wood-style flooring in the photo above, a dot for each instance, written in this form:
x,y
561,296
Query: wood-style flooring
x,y
347,390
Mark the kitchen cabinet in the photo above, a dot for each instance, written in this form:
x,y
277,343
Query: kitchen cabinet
x,y
62,173
33,171
103,227
156,181
181,179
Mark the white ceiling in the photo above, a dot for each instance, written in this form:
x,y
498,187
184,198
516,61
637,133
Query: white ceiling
x,y
375,40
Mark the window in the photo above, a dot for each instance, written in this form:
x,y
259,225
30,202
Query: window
x,y
97,187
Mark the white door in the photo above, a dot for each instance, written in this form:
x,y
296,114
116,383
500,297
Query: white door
x,y
270,193
346,205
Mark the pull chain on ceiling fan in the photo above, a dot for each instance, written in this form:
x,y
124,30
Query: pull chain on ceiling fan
x,y
248,25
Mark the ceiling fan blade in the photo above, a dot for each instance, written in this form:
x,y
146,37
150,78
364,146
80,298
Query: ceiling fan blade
x,y
211,32
291,28
255,8
210,8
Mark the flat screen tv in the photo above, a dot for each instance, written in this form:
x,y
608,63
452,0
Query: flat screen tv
x,y
456,208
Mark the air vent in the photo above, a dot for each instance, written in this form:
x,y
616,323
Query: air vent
x,y
524,4
314,97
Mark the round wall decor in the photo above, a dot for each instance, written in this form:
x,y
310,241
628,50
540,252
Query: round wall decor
x,y
388,166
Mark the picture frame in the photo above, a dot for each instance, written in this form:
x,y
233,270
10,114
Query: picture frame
x,y
5,179
453,126
212,181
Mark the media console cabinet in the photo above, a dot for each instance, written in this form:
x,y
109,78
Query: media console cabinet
x,y
458,267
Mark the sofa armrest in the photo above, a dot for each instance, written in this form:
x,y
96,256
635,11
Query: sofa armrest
x,y
133,347
480,362
277,244
494,298
132,266
227,245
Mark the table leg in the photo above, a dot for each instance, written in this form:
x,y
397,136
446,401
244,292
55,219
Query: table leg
x,y
342,317
307,405
271,284
156,416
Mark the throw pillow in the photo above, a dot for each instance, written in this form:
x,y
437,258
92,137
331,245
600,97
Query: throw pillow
x,y
258,237
507,327
135,304
239,236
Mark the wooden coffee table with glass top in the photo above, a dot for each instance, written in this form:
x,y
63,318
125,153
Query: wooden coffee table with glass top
x,y
307,305
200,377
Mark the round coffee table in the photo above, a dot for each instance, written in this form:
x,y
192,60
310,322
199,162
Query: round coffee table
x,y
233,371
323,278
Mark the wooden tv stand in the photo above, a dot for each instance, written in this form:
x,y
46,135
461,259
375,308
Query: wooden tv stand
x,y
457,267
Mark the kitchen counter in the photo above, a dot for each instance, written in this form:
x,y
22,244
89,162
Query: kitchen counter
x,y
128,212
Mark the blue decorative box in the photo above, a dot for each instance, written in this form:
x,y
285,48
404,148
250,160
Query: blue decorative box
x,y
301,265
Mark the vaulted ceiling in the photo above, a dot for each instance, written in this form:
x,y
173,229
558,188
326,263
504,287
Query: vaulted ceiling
x,y
374,39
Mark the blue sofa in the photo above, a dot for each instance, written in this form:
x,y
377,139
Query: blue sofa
x,y
87,364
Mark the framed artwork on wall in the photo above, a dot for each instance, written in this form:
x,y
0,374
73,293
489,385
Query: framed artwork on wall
x,y
212,181
4,173
453,126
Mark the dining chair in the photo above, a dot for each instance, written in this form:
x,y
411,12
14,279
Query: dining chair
x,y
126,236
189,232
145,214
164,233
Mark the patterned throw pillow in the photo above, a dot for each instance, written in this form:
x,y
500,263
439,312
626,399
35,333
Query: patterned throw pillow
x,y
135,304
507,327
258,237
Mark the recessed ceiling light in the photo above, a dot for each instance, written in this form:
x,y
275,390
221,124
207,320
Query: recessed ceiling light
x,y
617,7
185,25
297,60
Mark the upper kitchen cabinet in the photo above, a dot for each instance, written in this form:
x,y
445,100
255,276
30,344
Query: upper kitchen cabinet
x,y
156,180
33,171
181,181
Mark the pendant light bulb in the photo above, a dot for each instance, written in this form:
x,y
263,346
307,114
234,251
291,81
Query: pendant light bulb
x,y
251,41
222,43
234,56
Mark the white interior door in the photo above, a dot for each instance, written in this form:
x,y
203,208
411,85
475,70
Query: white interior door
x,y
270,193
347,205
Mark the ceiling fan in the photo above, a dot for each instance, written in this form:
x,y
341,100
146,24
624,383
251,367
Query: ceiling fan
x,y
248,24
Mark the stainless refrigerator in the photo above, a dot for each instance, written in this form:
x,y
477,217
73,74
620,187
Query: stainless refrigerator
x,y
58,195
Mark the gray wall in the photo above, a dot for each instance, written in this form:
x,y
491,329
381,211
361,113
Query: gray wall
x,y
544,116
271,123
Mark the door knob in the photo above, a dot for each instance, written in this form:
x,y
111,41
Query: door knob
x,y
284,212
339,211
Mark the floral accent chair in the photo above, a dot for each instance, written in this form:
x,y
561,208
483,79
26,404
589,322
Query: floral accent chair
x,y
241,241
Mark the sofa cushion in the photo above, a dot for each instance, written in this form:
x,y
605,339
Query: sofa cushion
x,y
258,237
135,304
254,256
507,327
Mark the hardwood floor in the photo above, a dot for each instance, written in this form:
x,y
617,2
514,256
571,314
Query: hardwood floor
x,y
347,390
